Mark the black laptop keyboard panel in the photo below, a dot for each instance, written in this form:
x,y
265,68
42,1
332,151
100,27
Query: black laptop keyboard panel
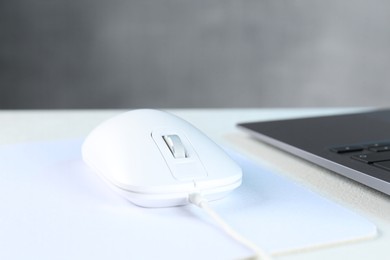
x,y
375,153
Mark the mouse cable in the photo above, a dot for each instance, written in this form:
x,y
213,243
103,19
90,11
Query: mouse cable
x,y
198,200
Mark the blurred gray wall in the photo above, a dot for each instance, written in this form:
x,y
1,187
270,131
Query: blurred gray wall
x,y
194,53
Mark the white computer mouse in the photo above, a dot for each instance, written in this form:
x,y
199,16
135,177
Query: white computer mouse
x,y
156,159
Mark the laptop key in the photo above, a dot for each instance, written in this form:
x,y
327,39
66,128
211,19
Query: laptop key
x,y
347,149
380,148
372,157
378,144
383,165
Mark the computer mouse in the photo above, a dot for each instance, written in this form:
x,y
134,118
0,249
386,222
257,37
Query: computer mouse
x,y
156,159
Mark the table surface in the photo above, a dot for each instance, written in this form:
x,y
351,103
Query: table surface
x,y
20,126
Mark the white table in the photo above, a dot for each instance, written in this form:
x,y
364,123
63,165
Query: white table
x,y
23,126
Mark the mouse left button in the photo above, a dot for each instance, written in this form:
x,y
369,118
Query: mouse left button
x,y
175,145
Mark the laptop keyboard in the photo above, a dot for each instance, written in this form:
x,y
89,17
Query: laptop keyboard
x,y
376,154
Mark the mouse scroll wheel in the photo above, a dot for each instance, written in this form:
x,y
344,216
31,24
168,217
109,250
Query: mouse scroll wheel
x,y
175,145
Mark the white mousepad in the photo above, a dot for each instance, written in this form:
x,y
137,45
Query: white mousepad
x,y
53,207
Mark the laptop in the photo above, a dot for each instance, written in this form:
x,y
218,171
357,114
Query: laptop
x,y
355,145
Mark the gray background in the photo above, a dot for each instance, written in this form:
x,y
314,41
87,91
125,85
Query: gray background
x,y
194,53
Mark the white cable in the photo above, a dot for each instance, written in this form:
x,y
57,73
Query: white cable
x,y
198,200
